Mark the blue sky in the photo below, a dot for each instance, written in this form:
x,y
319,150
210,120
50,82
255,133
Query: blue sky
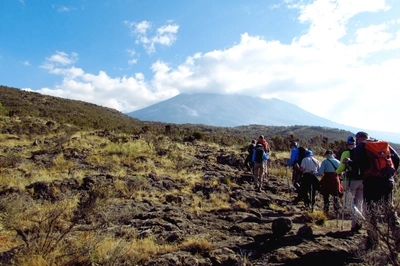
x,y
337,59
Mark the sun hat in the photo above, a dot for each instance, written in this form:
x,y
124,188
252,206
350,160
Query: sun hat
x,y
309,153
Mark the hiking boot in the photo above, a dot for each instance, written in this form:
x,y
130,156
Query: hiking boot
x,y
371,243
296,200
356,228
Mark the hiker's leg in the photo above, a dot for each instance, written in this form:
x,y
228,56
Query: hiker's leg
x,y
257,169
326,203
261,176
372,209
296,178
248,161
336,204
315,187
357,187
305,188
265,164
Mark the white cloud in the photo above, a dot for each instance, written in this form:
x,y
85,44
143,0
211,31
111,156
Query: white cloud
x,y
123,94
65,9
165,35
26,63
61,58
133,56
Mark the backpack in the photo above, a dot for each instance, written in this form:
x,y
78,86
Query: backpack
x,y
352,172
380,161
259,155
300,155
251,148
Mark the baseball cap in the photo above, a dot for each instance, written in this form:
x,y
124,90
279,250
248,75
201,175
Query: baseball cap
x,y
351,140
362,134
328,152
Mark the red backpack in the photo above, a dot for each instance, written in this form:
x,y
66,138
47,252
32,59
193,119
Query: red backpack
x,y
380,161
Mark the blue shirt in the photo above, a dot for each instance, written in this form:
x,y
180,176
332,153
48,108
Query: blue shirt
x,y
327,167
294,156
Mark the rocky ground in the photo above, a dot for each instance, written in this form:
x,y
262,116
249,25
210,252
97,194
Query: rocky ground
x,y
270,230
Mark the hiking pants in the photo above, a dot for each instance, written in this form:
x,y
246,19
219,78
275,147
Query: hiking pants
x,y
356,189
296,178
258,174
305,188
249,163
327,201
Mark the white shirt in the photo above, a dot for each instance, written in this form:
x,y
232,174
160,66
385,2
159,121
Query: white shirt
x,y
310,164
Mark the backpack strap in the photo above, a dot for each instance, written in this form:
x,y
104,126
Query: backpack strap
x,y
332,164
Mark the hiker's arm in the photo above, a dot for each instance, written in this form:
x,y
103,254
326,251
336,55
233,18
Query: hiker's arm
x,y
395,157
292,158
342,166
302,166
320,170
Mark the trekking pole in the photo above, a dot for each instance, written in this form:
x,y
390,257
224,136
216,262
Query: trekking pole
x,y
288,183
344,196
311,197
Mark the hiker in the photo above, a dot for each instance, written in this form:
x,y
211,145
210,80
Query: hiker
x,y
295,161
353,183
259,159
378,188
264,143
330,184
249,162
309,166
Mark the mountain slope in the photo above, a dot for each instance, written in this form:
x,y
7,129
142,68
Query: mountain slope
x,y
229,111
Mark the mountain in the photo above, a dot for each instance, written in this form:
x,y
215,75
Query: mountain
x,y
237,110
228,111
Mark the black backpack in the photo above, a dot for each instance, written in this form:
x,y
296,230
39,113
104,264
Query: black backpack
x,y
251,148
301,155
259,155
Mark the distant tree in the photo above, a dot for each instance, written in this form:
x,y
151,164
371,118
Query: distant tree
x,y
278,143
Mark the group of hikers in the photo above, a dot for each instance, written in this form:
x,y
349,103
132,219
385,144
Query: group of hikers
x,y
365,174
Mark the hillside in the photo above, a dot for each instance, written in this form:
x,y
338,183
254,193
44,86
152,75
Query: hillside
x,y
75,194
84,115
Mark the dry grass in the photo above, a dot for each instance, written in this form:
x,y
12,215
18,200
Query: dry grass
x,y
196,245
316,217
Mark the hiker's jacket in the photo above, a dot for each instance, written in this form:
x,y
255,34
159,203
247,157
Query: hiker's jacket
x,y
351,174
294,155
310,164
327,167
